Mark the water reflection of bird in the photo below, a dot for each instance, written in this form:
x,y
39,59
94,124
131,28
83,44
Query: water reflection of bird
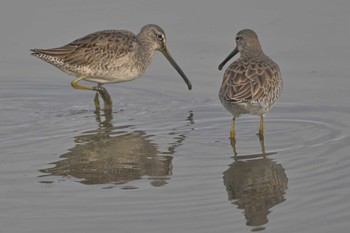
x,y
109,56
115,155
255,185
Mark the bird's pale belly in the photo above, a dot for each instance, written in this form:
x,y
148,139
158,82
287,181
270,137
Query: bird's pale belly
x,y
238,108
122,74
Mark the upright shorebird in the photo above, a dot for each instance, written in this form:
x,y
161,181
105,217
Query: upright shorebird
x,y
109,56
252,83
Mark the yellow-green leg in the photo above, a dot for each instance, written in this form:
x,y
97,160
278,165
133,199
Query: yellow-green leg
x,y
99,91
261,129
232,131
233,144
262,143
75,84
261,135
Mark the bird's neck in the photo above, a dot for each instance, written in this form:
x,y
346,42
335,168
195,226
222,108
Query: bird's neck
x,y
252,53
147,45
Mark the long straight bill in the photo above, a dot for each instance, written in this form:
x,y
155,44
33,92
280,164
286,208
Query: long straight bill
x,y
234,52
177,67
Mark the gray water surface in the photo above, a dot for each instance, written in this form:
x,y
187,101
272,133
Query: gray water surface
x,y
162,161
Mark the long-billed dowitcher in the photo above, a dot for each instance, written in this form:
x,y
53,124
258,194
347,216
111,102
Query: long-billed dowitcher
x,y
109,56
252,83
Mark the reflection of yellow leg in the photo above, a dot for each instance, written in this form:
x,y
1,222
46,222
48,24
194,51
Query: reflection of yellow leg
x,y
106,122
261,129
232,131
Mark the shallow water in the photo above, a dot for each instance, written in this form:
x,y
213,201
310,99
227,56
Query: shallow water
x,y
162,160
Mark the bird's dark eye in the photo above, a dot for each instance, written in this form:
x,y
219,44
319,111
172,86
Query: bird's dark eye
x,y
238,38
160,36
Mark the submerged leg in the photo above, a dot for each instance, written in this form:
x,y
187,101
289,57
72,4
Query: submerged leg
x,y
75,85
232,131
261,129
97,102
99,91
105,96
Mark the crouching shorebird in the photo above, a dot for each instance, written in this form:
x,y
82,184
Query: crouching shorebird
x,y
252,83
109,56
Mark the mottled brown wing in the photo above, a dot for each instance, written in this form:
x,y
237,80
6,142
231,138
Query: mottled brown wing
x,y
94,47
251,81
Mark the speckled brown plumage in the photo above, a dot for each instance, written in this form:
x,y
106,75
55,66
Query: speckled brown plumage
x,y
253,82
